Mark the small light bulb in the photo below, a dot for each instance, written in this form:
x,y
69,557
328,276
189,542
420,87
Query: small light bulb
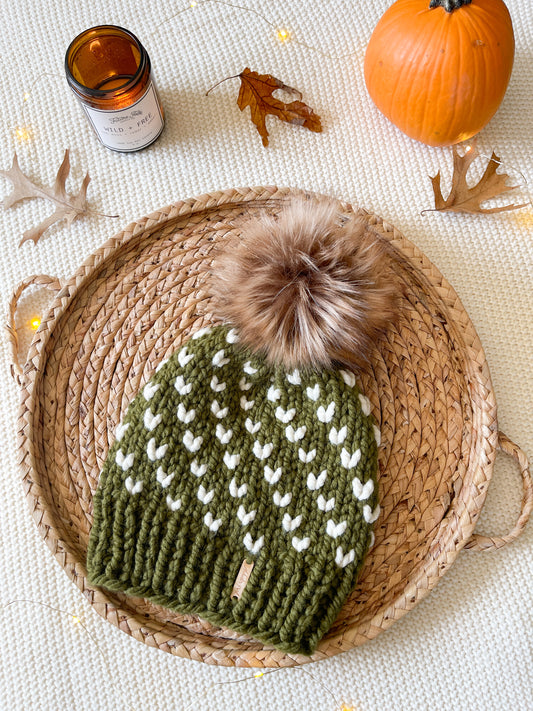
x,y
35,323
193,4
23,134
258,674
76,619
283,34
468,149
26,96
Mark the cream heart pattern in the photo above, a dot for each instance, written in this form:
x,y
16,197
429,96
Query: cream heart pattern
x,y
335,530
161,365
343,560
244,384
185,415
300,544
237,491
253,546
249,369
369,515
232,336
184,357
245,517
316,482
192,443
294,378
291,524
205,496
324,505
313,393
218,411
262,452
295,435
338,436
202,332
285,415
349,461
306,457
219,359
349,378
124,461
212,523
247,404
163,478
198,469
134,487
273,394
365,404
223,434
362,491
150,390
121,431
154,452
150,420
326,414
272,476
182,386
216,385
282,501
252,427
231,460
173,504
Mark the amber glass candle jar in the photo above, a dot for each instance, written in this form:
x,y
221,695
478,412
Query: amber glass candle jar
x,y
109,71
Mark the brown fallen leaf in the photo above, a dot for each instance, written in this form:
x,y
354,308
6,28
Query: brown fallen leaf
x,y
469,199
68,206
257,92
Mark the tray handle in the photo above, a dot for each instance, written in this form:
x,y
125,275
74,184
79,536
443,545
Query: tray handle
x,y
51,283
477,542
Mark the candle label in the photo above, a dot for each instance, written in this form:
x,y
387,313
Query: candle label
x,y
132,128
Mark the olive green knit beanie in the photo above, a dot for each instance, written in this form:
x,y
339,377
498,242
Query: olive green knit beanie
x,y
240,492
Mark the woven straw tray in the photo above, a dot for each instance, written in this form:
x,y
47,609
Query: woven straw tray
x,y
134,301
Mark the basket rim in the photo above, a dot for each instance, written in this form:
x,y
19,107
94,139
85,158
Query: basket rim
x,y
483,450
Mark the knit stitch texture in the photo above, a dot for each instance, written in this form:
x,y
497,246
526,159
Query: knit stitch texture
x,y
222,459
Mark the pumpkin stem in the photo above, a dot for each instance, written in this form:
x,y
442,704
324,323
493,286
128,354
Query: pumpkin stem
x,y
449,5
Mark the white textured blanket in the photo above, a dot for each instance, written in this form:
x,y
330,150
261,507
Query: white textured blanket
x,y
468,645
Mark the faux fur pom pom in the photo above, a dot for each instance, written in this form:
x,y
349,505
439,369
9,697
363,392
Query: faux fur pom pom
x,y
304,289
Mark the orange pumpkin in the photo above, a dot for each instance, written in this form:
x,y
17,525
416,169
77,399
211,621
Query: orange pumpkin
x,y
439,70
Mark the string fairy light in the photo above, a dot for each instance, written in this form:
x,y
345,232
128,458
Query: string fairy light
x,y
35,322
282,33
260,674
23,132
76,620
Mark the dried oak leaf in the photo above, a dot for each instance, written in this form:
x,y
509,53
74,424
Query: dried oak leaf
x,y
257,92
68,206
469,199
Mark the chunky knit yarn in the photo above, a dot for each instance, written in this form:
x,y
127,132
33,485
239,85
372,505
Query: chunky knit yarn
x,y
222,459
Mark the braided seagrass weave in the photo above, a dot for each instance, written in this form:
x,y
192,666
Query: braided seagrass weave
x,y
135,301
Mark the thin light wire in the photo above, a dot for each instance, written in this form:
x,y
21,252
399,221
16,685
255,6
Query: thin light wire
x,y
507,167
289,38
76,620
259,674
217,684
